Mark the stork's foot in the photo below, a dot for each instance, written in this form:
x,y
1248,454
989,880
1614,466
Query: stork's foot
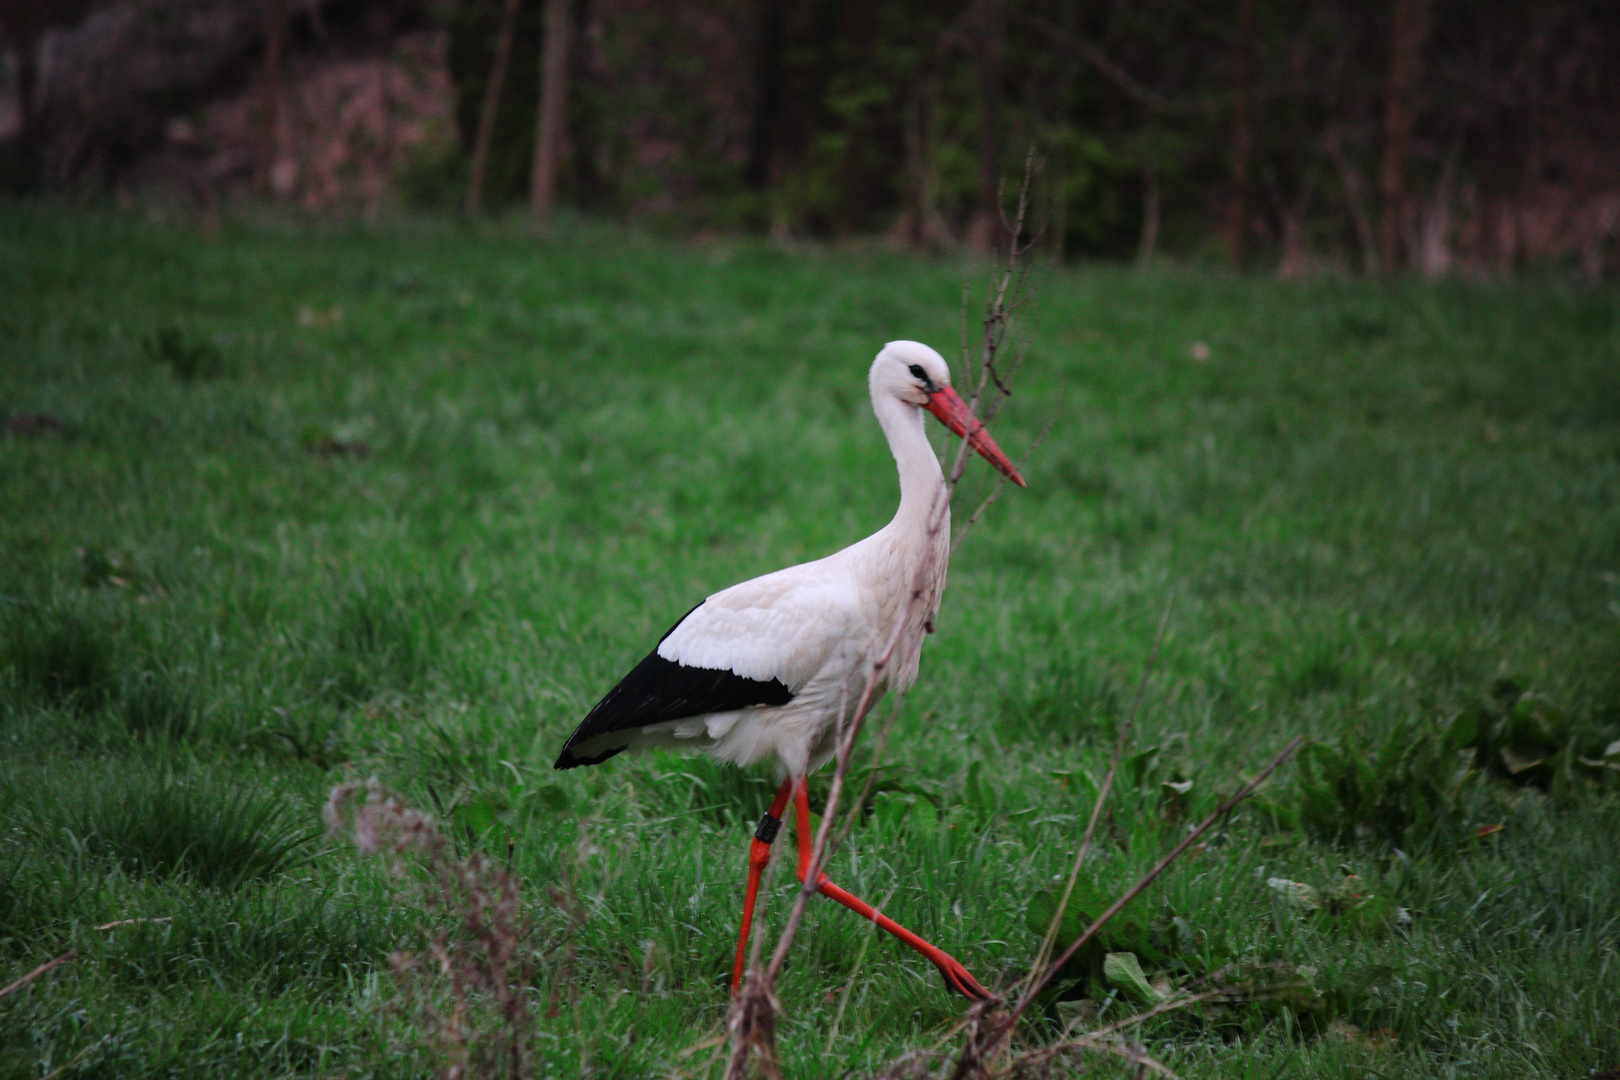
x,y
958,979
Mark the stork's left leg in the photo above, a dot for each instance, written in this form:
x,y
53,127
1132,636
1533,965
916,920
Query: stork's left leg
x,y
956,976
759,857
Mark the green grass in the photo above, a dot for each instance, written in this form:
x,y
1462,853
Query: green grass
x,y
329,503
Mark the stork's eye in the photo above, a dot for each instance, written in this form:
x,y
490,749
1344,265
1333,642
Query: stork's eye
x,y
918,372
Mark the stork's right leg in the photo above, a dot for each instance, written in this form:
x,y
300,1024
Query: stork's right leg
x,y
759,856
956,976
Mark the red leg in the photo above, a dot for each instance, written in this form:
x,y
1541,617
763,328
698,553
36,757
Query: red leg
x,y
956,976
759,856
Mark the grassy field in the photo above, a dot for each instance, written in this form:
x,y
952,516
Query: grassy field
x,y
316,504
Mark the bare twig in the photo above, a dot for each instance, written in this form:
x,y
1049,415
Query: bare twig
x,y
852,815
83,1053
752,1017
1102,1039
71,954
487,966
44,968
1135,1055
116,923
1045,951
1147,879
860,958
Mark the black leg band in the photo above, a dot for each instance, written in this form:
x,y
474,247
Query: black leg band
x,y
768,828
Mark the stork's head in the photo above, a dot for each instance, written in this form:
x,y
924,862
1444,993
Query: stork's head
x,y
919,376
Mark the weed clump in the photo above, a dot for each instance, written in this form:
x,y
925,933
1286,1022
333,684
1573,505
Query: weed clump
x,y
62,654
1405,793
191,358
480,955
161,822
1427,784
375,645
1525,738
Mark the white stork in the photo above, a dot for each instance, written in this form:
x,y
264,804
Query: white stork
x,y
764,668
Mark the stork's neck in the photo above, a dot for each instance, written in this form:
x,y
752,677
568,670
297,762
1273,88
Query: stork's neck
x,y
922,485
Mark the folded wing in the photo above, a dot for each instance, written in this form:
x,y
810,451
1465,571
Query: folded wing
x,y
753,645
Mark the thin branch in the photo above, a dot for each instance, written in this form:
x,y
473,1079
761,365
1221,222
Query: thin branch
x,y
116,923
999,484
855,809
1045,951
1129,1053
47,966
1148,878
1151,99
753,1016
860,957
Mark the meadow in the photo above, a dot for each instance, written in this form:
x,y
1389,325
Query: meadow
x,y
284,505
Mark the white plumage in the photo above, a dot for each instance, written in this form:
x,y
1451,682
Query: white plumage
x,y
767,668
816,628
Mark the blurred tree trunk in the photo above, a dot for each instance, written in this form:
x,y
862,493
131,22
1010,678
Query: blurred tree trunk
x,y
919,224
1355,199
275,35
767,97
586,108
1149,242
492,98
553,110
1058,164
1237,204
22,24
1408,32
988,25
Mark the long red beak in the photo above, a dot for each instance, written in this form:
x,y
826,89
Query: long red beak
x,y
952,411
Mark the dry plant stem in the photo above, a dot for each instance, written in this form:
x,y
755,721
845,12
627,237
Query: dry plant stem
x,y
998,485
1148,878
485,965
1050,938
999,313
72,1061
1129,1053
753,1031
116,923
860,958
937,516
854,813
44,968
1096,1040
58,961
752,1016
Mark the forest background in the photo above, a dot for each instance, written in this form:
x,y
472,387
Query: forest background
x,y
1298,136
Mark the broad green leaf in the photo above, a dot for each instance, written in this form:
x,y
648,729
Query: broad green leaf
x,y
1124,973
924,818
552,797
477,816
1129,930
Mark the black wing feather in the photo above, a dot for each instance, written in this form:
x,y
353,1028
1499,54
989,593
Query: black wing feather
x,y
659,690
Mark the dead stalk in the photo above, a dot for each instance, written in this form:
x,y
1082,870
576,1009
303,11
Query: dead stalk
x,y
753,1015
1050,938
484,966
44,968
72,954
1148,878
